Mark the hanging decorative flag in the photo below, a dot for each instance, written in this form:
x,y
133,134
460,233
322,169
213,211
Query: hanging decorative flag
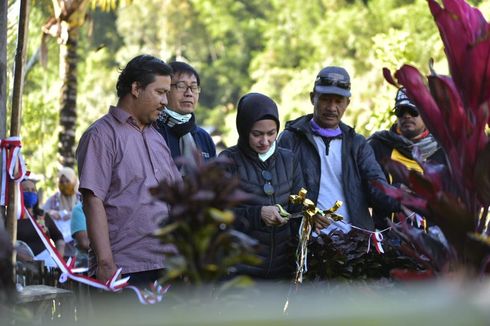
x,y
13,169
377,239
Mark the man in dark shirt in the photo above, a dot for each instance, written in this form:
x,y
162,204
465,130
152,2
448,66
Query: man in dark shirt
x,y
177,121
400,142
337,163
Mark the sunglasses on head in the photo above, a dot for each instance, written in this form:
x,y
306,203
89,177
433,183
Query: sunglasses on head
x,y
268,188
325,81
401,110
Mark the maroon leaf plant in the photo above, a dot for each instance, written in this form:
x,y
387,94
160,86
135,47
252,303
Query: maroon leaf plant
x,y
455,109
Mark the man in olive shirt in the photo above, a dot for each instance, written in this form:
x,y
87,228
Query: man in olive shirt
x,y
120,157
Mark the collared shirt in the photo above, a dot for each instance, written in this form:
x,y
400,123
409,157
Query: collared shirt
x,y
118,162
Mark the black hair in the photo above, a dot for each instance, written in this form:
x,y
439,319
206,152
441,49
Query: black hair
x,y
141,69
180,67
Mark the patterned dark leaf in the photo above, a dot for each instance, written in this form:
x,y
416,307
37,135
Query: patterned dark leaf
x,y
343,257
203,195
389,77
402,274
422,186
204,241
464,32
429,248
482,175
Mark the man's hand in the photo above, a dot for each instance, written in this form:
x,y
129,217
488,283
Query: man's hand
x,y
321,222
270,216
105,271
98,233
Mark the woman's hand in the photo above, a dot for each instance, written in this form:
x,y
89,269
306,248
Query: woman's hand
x,y
270,216
65,215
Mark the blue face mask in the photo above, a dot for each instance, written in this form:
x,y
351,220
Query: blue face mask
x,y
30,199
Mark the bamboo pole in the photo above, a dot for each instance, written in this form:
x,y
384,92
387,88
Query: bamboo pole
x,y
3,87
16,114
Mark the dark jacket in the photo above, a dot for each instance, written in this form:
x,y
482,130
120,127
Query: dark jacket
x,y
27,233
277,244
383,144
359,169
203,140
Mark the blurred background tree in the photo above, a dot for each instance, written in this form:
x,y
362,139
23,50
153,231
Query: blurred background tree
x,y
275,47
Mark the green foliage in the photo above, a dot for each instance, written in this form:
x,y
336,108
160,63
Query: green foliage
x,y
363,38
40,103
39,125
275,47
199,225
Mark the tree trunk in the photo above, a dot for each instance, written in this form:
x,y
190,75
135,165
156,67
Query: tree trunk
x,y
3,87
16,114
68,112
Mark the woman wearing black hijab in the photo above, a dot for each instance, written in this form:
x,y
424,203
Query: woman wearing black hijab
x,y
269,174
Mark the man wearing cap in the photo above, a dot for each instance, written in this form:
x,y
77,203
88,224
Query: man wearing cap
x,y
337,163
400,142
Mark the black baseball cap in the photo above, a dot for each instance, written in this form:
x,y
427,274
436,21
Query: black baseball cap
x,y
333,80
404,104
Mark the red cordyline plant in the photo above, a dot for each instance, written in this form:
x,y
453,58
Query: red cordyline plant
x,y
455,109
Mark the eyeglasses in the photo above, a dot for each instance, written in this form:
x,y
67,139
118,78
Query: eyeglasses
x,y
325,81
268,188
401,110
183,87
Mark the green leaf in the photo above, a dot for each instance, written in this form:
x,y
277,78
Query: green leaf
x,y
220,216
160,232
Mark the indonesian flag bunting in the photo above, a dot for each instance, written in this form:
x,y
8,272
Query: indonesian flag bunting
x,y
14,169
377,239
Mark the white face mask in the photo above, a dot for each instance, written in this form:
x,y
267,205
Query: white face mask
x,y
177,117
265,156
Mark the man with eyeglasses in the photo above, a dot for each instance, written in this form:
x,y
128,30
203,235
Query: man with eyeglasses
x,y
177,121
407,135
337,163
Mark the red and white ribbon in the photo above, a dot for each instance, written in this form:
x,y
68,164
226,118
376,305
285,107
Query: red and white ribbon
x,y
375,236
13,169
377,239
68,271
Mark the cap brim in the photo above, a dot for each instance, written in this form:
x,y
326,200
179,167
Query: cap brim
x,y
332,90
405,103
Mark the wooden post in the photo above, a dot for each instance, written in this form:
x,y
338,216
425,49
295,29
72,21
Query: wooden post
x,y
20,56
3,87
